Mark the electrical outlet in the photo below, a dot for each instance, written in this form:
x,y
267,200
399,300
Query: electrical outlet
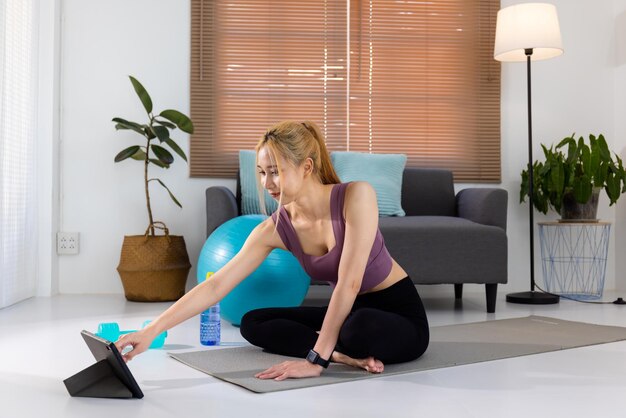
x,y
67,243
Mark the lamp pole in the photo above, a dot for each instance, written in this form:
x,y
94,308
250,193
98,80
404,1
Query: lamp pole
x,y
531,183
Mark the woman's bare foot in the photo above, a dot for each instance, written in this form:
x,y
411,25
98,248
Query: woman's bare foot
x,y
370,363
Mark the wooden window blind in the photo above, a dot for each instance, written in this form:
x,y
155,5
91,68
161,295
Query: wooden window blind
x,y
419,79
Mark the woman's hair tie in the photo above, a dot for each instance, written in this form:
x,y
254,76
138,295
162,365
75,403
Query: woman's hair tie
x,y
271,133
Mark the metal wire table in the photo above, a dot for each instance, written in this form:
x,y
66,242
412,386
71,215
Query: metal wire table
x,y
573,256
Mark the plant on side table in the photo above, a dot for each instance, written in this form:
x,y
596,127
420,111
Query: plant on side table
x,y
154,267
570,184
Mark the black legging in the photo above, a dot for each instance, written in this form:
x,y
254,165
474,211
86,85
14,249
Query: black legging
x,y
389,325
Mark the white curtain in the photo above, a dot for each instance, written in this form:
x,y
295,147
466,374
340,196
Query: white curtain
x,y
18,130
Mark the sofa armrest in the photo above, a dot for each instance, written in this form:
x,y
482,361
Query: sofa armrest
x,y
221,206
487,206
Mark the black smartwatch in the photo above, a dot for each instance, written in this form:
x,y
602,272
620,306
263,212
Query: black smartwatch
x,y
314,357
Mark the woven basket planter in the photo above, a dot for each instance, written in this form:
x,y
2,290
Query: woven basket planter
x,y
154,268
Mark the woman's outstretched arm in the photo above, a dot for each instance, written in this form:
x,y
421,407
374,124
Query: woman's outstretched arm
x,y
256,248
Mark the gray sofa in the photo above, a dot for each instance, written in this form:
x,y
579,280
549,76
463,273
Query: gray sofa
x,y
443,239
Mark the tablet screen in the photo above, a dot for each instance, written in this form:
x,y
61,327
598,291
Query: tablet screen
x,y
104,349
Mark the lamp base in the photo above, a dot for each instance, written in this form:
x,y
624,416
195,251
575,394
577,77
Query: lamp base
x,y
532,298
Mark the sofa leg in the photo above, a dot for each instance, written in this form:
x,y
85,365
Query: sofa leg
x,y
458,290
491,290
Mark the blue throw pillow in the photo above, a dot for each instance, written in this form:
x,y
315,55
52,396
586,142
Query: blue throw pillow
x,y
382,171
250,204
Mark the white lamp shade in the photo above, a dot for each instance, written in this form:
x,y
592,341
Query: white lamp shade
x,y
524,26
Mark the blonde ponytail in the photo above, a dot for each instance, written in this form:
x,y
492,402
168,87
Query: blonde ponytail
x,y
327,172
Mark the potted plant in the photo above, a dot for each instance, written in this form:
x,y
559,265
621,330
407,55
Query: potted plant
x,y
154,267
570,183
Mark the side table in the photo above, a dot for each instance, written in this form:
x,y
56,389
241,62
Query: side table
x,y
573,256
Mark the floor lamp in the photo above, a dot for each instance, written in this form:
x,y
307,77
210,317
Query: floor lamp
x,y
524,32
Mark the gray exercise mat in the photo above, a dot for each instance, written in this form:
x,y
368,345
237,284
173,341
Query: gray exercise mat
x,y
450,345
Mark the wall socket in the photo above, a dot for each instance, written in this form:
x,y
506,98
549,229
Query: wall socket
x,y
67,243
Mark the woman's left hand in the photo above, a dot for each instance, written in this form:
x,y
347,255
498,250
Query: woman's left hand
x,y
291,369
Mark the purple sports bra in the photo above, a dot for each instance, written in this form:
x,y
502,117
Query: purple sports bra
x,y
326,267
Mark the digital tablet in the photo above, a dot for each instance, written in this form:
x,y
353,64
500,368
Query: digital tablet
x,y
109,377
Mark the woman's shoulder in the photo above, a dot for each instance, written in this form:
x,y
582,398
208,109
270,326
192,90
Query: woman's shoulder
x,y
359,190
267,233
360,195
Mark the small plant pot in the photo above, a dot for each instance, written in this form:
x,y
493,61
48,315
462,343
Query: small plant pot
x,y
572,211
154,268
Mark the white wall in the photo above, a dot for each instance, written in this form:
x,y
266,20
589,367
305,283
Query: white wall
x,y
103,42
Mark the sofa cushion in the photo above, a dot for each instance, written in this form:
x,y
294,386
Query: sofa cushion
x,y
382,171
443,249
428,191
250,204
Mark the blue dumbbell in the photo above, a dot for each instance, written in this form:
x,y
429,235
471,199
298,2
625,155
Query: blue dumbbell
x,y
111,331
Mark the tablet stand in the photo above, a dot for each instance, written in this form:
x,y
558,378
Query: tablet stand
x,y
97,381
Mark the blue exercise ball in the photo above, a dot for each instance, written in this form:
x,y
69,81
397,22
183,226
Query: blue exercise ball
x,y
280,281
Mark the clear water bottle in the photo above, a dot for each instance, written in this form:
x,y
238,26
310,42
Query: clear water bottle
x,y
210,326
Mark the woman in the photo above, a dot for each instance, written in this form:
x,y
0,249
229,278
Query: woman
x,y
374,316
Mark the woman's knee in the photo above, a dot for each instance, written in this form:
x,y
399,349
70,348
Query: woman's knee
x,y
359,329
250,323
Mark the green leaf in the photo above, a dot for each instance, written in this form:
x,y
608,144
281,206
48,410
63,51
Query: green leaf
x,y
127,153
582,189
125,124
171,195
585,159
557,176
161,132
139,155
165,123
569,141
149,133
523,192
181,120
159,163
173,145
621,173
605,154
541,169
128,124
572,154
594,161
602,174
162,154
612,188
142,93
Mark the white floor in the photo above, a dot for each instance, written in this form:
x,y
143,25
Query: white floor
x,y
40,345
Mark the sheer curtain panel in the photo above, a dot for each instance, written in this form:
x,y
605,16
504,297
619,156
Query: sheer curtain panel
x,y
18,116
